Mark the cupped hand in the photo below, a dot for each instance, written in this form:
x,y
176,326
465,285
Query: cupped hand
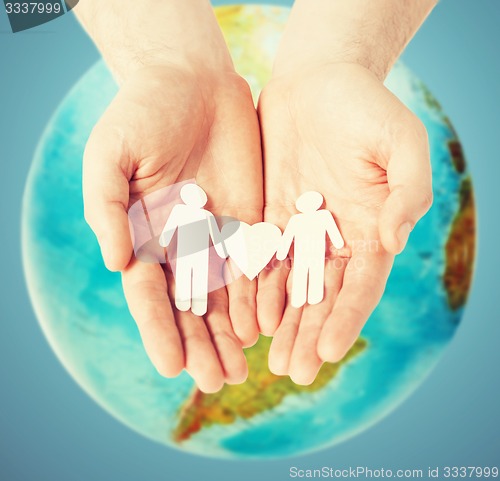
x,y
169,124
337,130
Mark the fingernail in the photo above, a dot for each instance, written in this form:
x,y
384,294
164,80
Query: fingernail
x,y
403,234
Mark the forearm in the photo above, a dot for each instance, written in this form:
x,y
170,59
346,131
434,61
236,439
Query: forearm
x,y
133,34
371,33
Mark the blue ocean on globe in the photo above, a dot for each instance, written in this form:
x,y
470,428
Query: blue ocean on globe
x,y
83,313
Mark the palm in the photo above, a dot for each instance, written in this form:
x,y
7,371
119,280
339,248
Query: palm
x,y
354,188
178,129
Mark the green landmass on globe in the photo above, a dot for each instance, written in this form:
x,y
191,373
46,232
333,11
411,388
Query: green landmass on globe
x,y
261,392
461,244
461,248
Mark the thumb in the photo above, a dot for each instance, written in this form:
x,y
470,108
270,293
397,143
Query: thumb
x,y
409,176
106,197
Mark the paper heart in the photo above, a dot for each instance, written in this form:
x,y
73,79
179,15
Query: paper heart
x,y
251,247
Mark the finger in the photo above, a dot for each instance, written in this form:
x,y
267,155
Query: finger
x,y
283,341
243,307
145,289
364,282
271,295
227,345
202,361
106,197
305,362
272,281
409,176
284,338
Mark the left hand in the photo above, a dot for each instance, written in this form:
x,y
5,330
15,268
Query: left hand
x,y
337,130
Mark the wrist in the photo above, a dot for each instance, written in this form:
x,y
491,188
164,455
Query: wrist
x,y
157,56
308,64
363,32
134,35
181,83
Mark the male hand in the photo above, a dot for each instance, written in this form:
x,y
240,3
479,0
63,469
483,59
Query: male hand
x,y
334,128
167,124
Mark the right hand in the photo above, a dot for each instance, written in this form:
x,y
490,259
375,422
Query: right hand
x,y
169,124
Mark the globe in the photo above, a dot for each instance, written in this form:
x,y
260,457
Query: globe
x,y
82,311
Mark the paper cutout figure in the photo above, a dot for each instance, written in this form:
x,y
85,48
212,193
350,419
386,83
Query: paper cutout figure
x,y
308,232
195,227
251,247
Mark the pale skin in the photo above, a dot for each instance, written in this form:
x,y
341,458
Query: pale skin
x,y
328,125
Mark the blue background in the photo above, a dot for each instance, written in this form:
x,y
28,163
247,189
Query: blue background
x,y
51,430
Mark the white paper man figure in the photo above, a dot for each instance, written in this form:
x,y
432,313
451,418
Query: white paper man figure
x,y
195,227
308,232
